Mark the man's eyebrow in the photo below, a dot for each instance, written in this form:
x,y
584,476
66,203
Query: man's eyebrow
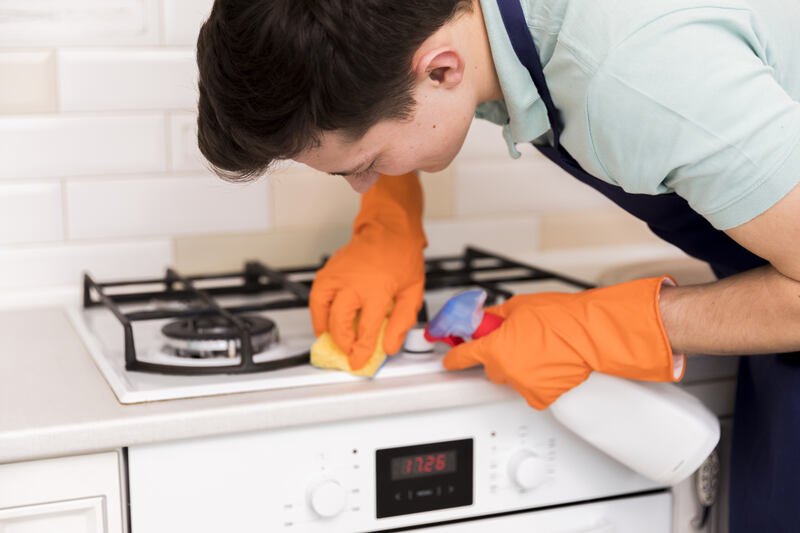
x,y
356,170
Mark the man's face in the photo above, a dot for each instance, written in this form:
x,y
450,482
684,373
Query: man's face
x,y
428,141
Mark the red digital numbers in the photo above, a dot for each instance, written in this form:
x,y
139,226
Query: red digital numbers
x,y
412,466
426,463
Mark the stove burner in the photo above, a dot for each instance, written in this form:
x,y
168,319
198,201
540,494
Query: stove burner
x,y
214,336
258,288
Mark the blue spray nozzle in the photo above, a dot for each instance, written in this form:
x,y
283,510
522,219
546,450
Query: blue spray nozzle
x,y
460,315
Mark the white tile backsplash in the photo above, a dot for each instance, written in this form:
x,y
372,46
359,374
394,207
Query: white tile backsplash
x,y
183,142
120,79
182,20
510,234
83,22
527,185
113,208
27,82
63,264
31,213
305,197
100,170
484,140
52,146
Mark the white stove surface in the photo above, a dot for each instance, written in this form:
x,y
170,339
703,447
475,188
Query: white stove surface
x,y
103,335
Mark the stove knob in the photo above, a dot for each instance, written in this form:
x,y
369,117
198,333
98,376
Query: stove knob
x,y
527,469
416,346
327,498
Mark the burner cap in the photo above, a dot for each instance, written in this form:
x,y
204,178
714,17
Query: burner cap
x,y
214,336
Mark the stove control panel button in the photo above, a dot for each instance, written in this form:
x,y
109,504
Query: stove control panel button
x,y
327,498
527,469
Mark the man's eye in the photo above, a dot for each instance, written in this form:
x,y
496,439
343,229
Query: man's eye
x,y
363,172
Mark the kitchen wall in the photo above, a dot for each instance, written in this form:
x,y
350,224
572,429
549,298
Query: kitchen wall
x,y
99,168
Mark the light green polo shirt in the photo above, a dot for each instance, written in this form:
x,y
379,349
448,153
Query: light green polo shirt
x,y
697,98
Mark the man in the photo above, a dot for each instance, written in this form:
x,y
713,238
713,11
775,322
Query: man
x,y
684,113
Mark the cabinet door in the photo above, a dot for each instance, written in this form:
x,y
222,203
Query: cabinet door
x,y
80,494
85,515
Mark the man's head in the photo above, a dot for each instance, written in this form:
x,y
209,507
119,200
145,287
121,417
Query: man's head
x,y
337,84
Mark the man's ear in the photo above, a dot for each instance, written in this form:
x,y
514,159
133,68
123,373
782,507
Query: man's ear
x,y
443,67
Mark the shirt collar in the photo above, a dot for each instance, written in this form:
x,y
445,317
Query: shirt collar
x,y
522,112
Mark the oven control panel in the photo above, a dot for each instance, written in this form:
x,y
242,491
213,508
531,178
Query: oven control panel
x,y
371,474
412,479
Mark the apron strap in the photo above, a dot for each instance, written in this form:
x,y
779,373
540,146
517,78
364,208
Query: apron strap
x,y
522,42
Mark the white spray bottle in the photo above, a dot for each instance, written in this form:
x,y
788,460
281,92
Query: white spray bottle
x,y
656,429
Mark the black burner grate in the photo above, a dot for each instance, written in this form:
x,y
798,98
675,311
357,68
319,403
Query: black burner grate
x,y
473,268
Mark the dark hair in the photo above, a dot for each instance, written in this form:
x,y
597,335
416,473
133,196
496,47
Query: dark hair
x,y
274,74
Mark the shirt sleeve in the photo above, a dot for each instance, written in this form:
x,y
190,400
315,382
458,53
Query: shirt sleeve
x,y
690,104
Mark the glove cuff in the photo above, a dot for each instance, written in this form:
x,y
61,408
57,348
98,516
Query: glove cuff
x,y
678,360
393,208
633,343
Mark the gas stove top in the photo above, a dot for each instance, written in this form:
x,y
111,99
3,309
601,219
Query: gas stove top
x,y
188,336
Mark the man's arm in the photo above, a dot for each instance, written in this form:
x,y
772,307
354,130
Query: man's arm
x,y
750,313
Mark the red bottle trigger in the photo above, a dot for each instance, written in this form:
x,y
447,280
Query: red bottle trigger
x,y
488,324
450,340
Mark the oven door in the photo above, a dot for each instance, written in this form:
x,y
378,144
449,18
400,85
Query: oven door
x,y
651,513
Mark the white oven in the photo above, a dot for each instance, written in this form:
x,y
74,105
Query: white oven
x,y
502,466
632,514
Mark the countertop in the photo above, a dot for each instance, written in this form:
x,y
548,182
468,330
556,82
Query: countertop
x,y
55,402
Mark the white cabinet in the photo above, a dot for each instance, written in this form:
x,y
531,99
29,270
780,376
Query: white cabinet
x,y
73,516
79,494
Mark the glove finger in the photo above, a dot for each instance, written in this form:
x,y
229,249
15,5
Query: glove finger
x,y
467,354
342,317
369,325
403,316
319,304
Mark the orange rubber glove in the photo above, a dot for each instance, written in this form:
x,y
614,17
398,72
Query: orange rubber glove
x,y
550,342
380,271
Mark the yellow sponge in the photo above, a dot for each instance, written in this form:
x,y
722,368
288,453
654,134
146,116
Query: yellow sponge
x,y
325,354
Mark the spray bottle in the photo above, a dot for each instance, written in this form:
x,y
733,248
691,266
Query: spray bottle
x,y
657,429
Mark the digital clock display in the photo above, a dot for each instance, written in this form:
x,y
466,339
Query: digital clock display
x,y
423,477
423,464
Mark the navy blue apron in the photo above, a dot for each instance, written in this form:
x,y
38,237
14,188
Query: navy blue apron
x,y
766,445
